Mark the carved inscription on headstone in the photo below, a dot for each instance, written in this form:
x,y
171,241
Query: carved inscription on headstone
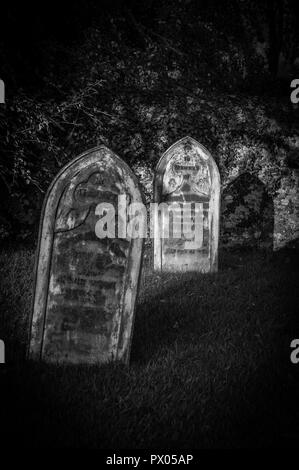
x,y
86,286
186,235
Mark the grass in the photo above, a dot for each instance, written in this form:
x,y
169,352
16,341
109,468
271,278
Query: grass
x,y
209,366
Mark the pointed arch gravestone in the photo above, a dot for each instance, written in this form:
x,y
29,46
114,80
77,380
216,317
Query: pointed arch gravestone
x,y
85,286
186,229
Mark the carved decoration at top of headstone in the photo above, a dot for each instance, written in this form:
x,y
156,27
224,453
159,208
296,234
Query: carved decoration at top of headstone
x,y
187,174
86,286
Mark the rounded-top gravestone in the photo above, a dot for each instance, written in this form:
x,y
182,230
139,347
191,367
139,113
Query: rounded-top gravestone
x,y
86,286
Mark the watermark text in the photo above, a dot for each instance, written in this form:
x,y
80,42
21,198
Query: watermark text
x,y
295,353
2,352
173,220
295,93
2,92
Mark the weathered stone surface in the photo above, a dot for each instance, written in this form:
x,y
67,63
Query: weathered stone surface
x,y
187,173
85,287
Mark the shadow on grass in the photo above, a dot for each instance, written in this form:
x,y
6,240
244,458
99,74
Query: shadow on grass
x,y
210,367
233,331
174,308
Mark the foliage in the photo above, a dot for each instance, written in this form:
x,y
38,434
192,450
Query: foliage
x,y
138,87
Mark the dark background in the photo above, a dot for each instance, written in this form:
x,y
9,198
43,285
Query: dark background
x,y
31,30
210,362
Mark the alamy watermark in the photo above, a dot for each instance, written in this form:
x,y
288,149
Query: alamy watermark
x,y
294,357
2,92
295,93
180,220
2,352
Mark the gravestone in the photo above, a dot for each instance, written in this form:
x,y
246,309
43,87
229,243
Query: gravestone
x,y
85,286
186,231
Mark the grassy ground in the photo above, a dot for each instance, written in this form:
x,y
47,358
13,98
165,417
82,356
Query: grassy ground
x,y
209,367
